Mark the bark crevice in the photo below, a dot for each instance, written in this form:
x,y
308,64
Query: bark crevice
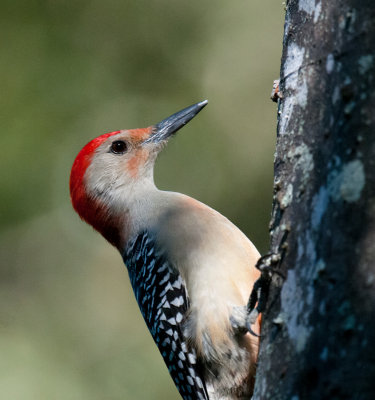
x,y
318,338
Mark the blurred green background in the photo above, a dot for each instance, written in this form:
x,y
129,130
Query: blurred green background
x,y
69,71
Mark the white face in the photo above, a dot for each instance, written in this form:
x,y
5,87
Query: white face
x,y
120,164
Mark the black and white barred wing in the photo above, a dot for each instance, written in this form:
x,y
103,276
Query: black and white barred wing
x,y
161,296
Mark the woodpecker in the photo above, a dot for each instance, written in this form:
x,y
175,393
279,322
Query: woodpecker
x,y
191,269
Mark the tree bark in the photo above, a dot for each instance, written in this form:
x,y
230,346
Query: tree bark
x,y
318,334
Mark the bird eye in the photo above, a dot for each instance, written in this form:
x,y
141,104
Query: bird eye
x,y
118,147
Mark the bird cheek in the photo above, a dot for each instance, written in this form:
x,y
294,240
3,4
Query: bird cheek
x,y
136,161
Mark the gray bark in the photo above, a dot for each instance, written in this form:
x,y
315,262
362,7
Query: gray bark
x,y
319,327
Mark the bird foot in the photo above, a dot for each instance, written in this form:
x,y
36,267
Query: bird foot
x,y
259,295
242,321
242,318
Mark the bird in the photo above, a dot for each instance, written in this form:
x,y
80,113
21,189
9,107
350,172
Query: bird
x,y
191,269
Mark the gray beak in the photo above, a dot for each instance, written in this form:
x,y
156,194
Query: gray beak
x,y
164,129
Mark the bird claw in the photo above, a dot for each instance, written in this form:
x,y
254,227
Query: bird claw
x,y
250,320
241,320
259,295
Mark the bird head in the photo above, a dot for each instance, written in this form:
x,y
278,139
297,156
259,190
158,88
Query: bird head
x,y
118,166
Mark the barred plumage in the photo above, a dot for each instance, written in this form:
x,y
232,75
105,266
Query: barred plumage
x,y
161,295
191,269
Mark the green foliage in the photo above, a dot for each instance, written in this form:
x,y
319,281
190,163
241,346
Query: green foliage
x,y
69,71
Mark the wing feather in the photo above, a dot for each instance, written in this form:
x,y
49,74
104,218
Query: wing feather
x,y
162,298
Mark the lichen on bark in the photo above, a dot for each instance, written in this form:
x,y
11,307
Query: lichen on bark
x,y
318,335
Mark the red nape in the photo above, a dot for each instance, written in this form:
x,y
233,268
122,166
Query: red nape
x,y
85,207
83,160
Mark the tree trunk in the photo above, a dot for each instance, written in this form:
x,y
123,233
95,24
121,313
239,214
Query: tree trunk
x,y
318,335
